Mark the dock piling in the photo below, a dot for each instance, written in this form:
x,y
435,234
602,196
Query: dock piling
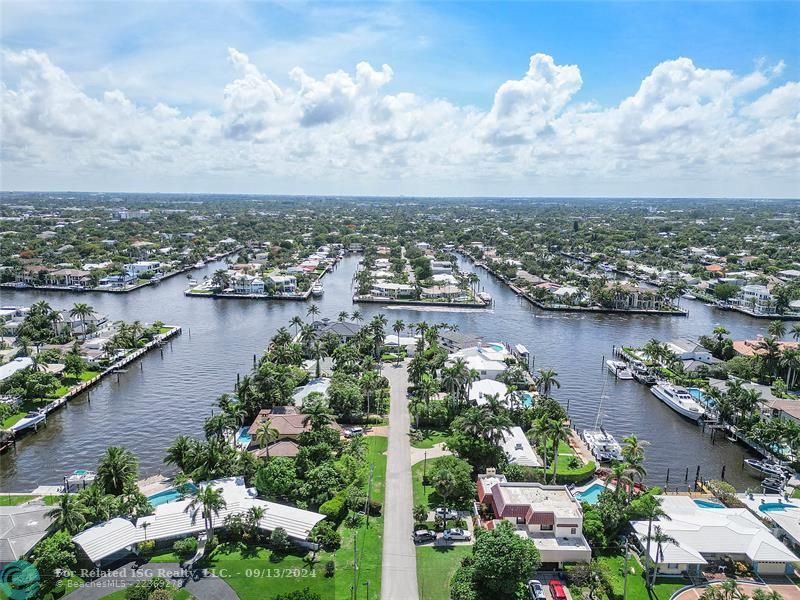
x,y
666,483
722,475
686,477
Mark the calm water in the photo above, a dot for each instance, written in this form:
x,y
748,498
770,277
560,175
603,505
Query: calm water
x,y
163,396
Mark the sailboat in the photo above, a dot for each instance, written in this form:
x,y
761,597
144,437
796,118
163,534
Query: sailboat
x,y
603,446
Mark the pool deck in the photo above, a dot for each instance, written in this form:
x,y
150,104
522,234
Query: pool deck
x,y
759,499
155,484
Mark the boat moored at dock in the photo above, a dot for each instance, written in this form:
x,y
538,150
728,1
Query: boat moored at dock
x,y
679,399
317,290
32,419
603,446
766,467
619,369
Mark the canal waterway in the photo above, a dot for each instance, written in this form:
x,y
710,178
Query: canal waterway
x,y
171,392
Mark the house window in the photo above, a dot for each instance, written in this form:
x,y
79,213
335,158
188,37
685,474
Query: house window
x,y
547,528
672,565
573,531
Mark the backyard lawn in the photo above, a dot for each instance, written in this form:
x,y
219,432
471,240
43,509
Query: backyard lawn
x,y
435,568
120,595
14,500
637,590
258,573
431,438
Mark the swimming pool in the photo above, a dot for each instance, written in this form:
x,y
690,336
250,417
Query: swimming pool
x,y
591,495
527,399
169,495
244,437
708,504
698,394
496,347
775,506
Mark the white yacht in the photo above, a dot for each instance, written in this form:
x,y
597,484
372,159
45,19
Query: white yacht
x,y
619,369
679,400
317,290
603,446
199,264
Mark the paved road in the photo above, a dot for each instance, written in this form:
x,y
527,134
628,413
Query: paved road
x,y
399,573
202,586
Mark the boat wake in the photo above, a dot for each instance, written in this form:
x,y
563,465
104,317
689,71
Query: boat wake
x,y
438,309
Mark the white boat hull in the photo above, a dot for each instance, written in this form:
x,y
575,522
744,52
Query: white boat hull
x,y
681,410
619,371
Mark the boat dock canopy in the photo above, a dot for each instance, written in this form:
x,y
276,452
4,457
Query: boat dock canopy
x,y
171,520
521,349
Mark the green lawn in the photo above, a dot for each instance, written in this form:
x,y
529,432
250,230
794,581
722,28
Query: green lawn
x,y
435,568
258,573
29,405
796,492
428,496
120,595
637,590
14,500
432,437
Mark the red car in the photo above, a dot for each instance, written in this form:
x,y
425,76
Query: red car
x,y
557,590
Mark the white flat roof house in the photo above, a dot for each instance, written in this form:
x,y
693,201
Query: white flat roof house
x,y
518,449
486,359
479,390
11,367
706,535
171,522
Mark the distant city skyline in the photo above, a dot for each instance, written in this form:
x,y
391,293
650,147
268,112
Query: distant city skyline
x,y
625,99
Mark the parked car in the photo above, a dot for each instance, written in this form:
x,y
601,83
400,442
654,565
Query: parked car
x,y
456,534
424,535
557,590
353,431
446,513
536,590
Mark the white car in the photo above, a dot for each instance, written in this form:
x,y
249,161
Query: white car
x,y
536,590
457,534
446,513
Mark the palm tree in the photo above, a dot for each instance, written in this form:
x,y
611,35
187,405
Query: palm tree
x,y
370,381
318,352
221,279
777,329
398,327
633,450
620,476
546,380
312,311
82,311
296,322
181,452
357,316
317,415
343,316
652,508
208,501
660,538
772,350
653,349
720,332
796,332
68,513
265,435
307,334
254,516
117,467
559,431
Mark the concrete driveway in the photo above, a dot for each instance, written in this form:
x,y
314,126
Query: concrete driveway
x,y
399,570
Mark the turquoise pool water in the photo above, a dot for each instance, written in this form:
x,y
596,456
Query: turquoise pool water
x,y
244,437
591,495
708,504
527,399
698,394
775,506
496,347
169,495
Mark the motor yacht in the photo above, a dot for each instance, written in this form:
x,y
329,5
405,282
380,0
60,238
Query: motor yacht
x,y
619,369
679,400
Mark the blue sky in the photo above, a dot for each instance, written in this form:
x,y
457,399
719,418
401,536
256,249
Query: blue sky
x,y
177,53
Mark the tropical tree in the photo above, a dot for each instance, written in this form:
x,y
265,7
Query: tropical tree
x,y
265,435
69,513
546,380
296,322
117,467
318,352
398,327
720,332
181,452
559,431
312,311
651,507
207,501
796,332
660,538
777,329
317,415
82,311
343,316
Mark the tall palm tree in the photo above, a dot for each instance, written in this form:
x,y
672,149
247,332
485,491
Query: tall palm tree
x,y
207,501
652,508
620,476
660,538
777,329
181,452
559,431
357,316
633,449
398,327
546,380
796,332
318,352
720,332
68,513
296,322
343,316
82,311
370,381
117,467
312,311
265,435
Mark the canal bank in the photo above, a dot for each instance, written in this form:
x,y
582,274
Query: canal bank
x,y
174,391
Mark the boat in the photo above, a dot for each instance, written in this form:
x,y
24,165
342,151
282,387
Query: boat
x,y
317,290
32,419
619,368
774,485
21,285
78,479
766,467
679,400
689,296
157,278
603,446
486,297
77,288
199,264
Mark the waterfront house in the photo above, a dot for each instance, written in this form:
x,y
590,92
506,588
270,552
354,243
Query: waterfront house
x,y
628,296
344,330
118,537
68,277
383,289
449,293
753,347
314,386
441,266
487,359
248,284
11,367
141,267
454,340
706,536
286,284
479,390
518,449
32,274
117,280
547,514
756,298
21,528
690,350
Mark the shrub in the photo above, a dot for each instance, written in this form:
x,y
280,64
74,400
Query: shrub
x,y
153,588
354,520
279,540
326,536
330,568
375,508
146,547
185,547
335,509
